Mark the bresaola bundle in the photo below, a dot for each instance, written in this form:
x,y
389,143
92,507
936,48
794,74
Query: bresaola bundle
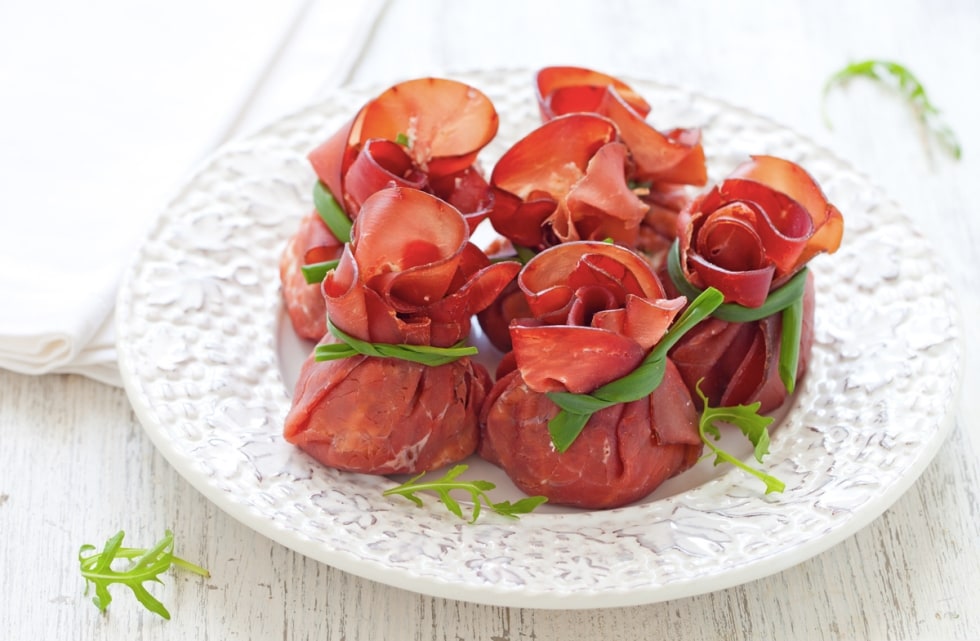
x,y
608,362
598,311
749,237
399,303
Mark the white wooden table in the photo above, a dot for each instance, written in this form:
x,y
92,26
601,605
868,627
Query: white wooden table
x,y
75,465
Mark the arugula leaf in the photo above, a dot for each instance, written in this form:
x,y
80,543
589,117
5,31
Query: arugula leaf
x,y
149,564
476,489
752,424
908,85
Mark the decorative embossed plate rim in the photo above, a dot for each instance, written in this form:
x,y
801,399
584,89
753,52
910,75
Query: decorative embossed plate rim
x,y
199,318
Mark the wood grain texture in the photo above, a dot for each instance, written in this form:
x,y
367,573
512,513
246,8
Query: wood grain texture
x,y
85,469
75,466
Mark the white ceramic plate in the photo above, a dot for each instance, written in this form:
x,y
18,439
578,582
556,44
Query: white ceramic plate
x,y
208,361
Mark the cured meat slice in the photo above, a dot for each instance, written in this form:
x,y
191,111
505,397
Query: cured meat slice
x,y
404,279
737,363
755,230
595,170
674,156
622,455
747,237
597,310
565,181
423,134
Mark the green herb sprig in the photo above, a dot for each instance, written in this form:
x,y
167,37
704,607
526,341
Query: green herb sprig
x,y
786,300
576,409
752,424
909,86
476,489
424,354
148,565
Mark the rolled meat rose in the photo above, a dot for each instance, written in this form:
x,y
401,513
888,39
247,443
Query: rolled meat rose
x,y
423,134
663,162
565,181
564,90
673,157
595,170
598,310
408,277
747,237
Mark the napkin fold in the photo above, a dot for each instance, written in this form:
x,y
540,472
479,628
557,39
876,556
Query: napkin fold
x,y
68,330
106,110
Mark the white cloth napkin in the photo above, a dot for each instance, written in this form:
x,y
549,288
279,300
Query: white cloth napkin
x,y
105,108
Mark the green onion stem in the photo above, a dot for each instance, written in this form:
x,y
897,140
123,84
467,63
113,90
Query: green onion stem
x,y
423,354
316,272
576,409
331,213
